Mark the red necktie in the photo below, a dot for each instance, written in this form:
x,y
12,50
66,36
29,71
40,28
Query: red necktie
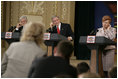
x,y
58,31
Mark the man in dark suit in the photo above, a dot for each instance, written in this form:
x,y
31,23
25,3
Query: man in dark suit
x,y
19,27
49,67
61,28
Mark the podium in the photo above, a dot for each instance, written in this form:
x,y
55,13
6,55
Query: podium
x,y
96,52
15,37
54,39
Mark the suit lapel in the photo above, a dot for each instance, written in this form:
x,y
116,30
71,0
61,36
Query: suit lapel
x,y
55,29
61,29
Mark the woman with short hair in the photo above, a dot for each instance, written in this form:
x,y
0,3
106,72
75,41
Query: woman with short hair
x,y
109,32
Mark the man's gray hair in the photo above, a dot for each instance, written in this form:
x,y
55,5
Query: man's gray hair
x,y
54,17
22,17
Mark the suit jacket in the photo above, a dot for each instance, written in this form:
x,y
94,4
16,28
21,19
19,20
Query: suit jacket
x,y
13,28
48,67
65,30
18,58
109,33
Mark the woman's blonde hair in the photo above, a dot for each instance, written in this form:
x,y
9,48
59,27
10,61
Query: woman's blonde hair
x,y
33,31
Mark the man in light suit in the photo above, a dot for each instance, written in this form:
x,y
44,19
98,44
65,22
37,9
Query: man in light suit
x,y
61,28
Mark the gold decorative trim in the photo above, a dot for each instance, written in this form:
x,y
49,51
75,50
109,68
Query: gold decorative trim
x,y
56,3
32,8
64,10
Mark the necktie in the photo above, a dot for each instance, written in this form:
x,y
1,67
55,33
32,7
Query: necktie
x,y
58,31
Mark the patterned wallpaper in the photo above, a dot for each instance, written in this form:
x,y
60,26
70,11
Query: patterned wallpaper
x,y
43,9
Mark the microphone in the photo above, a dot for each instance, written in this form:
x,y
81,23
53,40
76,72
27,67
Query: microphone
x,y
91,32
11,29
14,27
49,30
94,31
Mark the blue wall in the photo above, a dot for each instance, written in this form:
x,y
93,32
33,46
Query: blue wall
x,y
100,10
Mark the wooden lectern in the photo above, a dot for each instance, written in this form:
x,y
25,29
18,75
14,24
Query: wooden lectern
x,y
54,39
96,52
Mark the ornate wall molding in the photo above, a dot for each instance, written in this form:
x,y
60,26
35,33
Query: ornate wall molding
x,y
64,10
44,9
32,8
56,7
